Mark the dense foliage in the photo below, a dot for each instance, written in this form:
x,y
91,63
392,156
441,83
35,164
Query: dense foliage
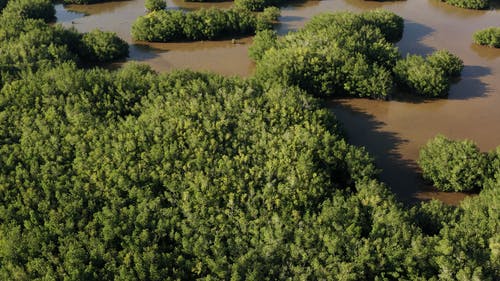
x,y
262,41
100,46
451,65
84,2
489,36
174,25
188,175
35,9
28,44
469,4
453,165
335,54
431,76
155,5
258,5
131,175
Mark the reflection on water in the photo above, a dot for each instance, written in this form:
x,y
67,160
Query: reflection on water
x,y
391,131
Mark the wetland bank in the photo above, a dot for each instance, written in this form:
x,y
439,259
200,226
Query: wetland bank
x,y
391,131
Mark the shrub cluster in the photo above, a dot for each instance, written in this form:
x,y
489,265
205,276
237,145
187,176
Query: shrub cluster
x,y
347,53
155,5
335,54
390,25
28,44
100,46
489,36
165,26
470,4
428,77
453,165
262,41
34,9
258,5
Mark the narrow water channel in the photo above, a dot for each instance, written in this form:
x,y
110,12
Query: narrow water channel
x,y
391,131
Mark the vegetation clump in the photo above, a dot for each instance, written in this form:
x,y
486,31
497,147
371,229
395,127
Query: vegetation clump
x,y
470,4
258,5
352,54
428,77
489,37
31,44
262,41
155,5
453,165
100,46
334,54
33,9
165,26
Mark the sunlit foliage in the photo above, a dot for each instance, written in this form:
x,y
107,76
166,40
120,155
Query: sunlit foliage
x,y
489,36
175,25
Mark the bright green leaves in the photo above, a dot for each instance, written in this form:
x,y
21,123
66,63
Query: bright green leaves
x,y
452,165
430,76
489,36
166,26
100,46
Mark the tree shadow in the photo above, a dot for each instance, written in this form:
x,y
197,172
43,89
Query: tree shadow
x,y
413,34
141,52
64,15
470,85
287,24
363,129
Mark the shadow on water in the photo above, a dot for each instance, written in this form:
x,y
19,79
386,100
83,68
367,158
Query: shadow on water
x,y
413,35
470,85
286,24
401,175
494,5
140,52
362,129
64,15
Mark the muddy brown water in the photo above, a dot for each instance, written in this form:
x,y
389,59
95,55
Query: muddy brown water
x,y
391,131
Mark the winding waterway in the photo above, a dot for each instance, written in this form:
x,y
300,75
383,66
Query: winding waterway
x,y
391,131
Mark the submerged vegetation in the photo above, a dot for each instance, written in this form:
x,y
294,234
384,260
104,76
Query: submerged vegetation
x,y
489,36
134,175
